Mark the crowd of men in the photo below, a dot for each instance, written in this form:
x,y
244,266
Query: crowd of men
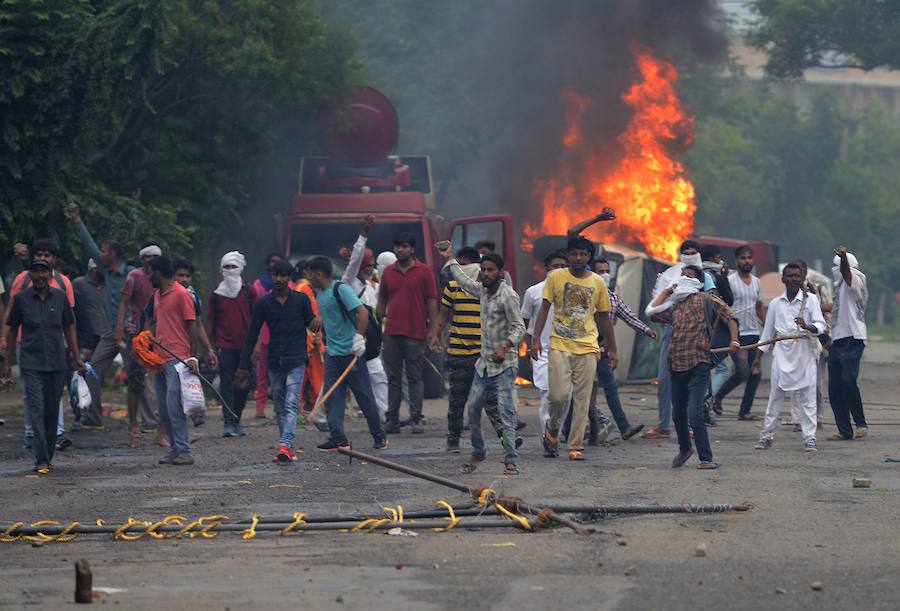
x,y
305,338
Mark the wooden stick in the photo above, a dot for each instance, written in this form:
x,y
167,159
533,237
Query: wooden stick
x,y
324,397
765,343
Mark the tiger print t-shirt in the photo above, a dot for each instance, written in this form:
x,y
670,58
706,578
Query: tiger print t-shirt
x,y
575,300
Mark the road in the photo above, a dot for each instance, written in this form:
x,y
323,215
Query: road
x,y
807,524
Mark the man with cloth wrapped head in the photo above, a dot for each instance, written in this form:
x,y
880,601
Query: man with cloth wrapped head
x,y
229,314
848,340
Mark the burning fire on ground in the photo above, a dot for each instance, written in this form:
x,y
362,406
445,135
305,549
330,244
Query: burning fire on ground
x,y
648,188
520,381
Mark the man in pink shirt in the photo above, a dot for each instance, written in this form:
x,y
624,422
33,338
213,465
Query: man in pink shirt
x,y
174,324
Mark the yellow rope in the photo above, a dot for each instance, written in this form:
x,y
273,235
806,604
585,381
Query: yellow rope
x,y
452,520
299,518
488,497
123,535
251,532
396,514
212,522
7,535
152,529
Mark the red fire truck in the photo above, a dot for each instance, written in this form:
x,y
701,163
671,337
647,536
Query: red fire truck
x,y
361,175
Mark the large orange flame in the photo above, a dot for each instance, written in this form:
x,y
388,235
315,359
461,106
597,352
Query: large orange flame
x,y
648,188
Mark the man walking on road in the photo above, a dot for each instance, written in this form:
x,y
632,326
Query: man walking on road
x,y
287,314
229,312
793,361
581,312
692,314
263,286
45,316
531,305
136,294
502,330
43,250
848,340
344,319
689,254
174,323
408,298
462,310
749,310
605,376
110,258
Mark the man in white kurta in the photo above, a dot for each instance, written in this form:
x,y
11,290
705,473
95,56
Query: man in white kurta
x,y
531,303
794,361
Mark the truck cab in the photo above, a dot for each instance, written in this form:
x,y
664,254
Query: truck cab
x,y
361,175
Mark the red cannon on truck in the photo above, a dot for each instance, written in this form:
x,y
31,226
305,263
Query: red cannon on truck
x,y
362,174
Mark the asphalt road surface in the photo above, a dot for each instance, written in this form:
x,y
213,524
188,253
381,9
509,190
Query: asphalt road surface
x,y
808,524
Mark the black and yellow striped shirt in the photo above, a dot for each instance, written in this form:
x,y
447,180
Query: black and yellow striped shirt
x,y
465,330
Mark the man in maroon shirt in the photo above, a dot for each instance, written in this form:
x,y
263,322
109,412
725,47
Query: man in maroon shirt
x,y
408,296
229,313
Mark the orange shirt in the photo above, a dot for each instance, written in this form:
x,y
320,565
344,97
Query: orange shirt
x,y
303,286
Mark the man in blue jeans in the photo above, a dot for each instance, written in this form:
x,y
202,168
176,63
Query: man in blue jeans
x,y
848,340
174,322
288,314
606,379
345,320
686,307
502,330
689,255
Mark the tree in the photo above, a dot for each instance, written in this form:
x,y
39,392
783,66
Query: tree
x,y
156,115
801,34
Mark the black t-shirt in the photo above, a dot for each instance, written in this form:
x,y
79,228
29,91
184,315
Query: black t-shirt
x,y
42,322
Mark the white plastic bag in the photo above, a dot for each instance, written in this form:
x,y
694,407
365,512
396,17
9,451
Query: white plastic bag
x,y
192,399
80,389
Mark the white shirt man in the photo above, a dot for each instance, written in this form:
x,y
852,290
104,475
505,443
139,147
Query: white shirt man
x,y
794,362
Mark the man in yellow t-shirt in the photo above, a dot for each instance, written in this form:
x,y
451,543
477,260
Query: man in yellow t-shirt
x,y
581,306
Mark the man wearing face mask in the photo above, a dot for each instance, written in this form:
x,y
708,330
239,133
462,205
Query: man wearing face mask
x,y
848,340
749,310
689,256
229,313
605,376
690,311
718,269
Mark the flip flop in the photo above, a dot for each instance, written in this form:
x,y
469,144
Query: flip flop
x,y
470,466
510,469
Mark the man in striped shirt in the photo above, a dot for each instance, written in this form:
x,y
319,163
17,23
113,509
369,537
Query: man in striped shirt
x,y
462,311
749,311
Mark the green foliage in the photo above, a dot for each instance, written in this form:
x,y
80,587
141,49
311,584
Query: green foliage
x,y
808,180
155,115
800,34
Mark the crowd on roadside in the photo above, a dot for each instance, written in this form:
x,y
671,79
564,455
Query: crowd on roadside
x,y
304,337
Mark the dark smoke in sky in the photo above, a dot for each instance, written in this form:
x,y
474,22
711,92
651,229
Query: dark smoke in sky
x,y
477,87
529,52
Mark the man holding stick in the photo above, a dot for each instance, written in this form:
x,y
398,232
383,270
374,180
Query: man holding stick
x,y
502,329
692,313
848,340
793,361
345,348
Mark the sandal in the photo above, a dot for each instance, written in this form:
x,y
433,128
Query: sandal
x,y
510,469
655,433
470,466
708,464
